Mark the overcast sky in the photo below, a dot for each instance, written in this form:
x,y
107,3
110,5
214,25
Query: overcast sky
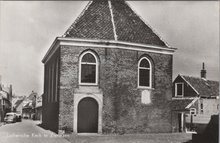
x,y
27,29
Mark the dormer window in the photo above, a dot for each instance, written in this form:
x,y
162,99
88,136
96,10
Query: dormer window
x,y
88,74
179,89
144,73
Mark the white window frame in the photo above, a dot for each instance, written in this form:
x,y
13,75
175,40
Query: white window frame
x,y
192,110
150,68
96,64
176,89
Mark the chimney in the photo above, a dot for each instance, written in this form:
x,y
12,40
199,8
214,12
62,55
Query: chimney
x,y
203,71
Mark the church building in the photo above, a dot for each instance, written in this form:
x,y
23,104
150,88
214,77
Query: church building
x,y
109,73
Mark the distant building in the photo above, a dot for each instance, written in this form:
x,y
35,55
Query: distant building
x,y
109,73
194,101
18,105
38,108
5,100
29,103
28,110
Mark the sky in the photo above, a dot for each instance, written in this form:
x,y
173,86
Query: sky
x,y
28,28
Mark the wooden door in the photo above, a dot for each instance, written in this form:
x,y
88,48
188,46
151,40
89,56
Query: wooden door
x,y
87,116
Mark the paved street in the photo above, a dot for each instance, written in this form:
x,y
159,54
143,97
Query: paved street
x,y
28,132
133,138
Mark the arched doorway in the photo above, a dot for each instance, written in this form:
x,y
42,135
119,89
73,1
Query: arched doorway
x,y
87,116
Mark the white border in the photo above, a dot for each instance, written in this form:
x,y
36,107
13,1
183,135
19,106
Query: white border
x,y
190,104
60,41
77,98
96,64
176,89
150,82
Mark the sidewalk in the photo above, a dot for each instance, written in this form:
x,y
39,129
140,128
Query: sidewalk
x,y
27,131
132,138
1,124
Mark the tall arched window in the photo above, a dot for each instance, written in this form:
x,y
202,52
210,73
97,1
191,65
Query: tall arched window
x,y
88,69
144,73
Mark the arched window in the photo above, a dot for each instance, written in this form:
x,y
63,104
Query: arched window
x,y
88,69
144,73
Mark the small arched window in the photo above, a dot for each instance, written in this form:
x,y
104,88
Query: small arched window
x,y
88,68
144,73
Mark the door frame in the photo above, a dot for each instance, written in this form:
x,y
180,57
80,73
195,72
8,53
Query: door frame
x,y
77,98
181,121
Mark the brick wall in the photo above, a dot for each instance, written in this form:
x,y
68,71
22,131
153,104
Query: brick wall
x,y
123,111
50,98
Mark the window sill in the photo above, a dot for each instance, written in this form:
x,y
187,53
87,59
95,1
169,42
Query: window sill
x,y
145,88
179,96
88,84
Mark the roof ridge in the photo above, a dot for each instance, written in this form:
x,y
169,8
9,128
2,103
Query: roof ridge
x,y
189,84
145,22
77,19
112,19
199,78
191,76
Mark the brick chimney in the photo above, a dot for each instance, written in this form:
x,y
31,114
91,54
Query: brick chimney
x,y
203,71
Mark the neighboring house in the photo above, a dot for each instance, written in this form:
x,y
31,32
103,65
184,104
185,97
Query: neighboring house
x,y
28,110
15,98
109,73
38,108
194,101
18,106
29,105
5,100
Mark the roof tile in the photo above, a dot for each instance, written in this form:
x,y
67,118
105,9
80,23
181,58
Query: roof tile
x,y
206,88
180,104
96,22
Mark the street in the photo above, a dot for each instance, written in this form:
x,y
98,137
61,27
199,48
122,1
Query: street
x,y
27,131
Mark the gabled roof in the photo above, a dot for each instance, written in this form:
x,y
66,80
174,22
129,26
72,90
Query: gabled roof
x,y
18,102
32,96
205,88
28,105
180,104
112,20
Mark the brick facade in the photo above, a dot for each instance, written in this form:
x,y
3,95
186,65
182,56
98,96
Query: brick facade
x,y
119,39
50,98
122,107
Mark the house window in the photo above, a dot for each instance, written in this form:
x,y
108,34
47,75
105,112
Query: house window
x,y
144,73
201,108
192,111
88,69
179,89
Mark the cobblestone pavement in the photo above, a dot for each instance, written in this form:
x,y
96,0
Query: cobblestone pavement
x,y
27,131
